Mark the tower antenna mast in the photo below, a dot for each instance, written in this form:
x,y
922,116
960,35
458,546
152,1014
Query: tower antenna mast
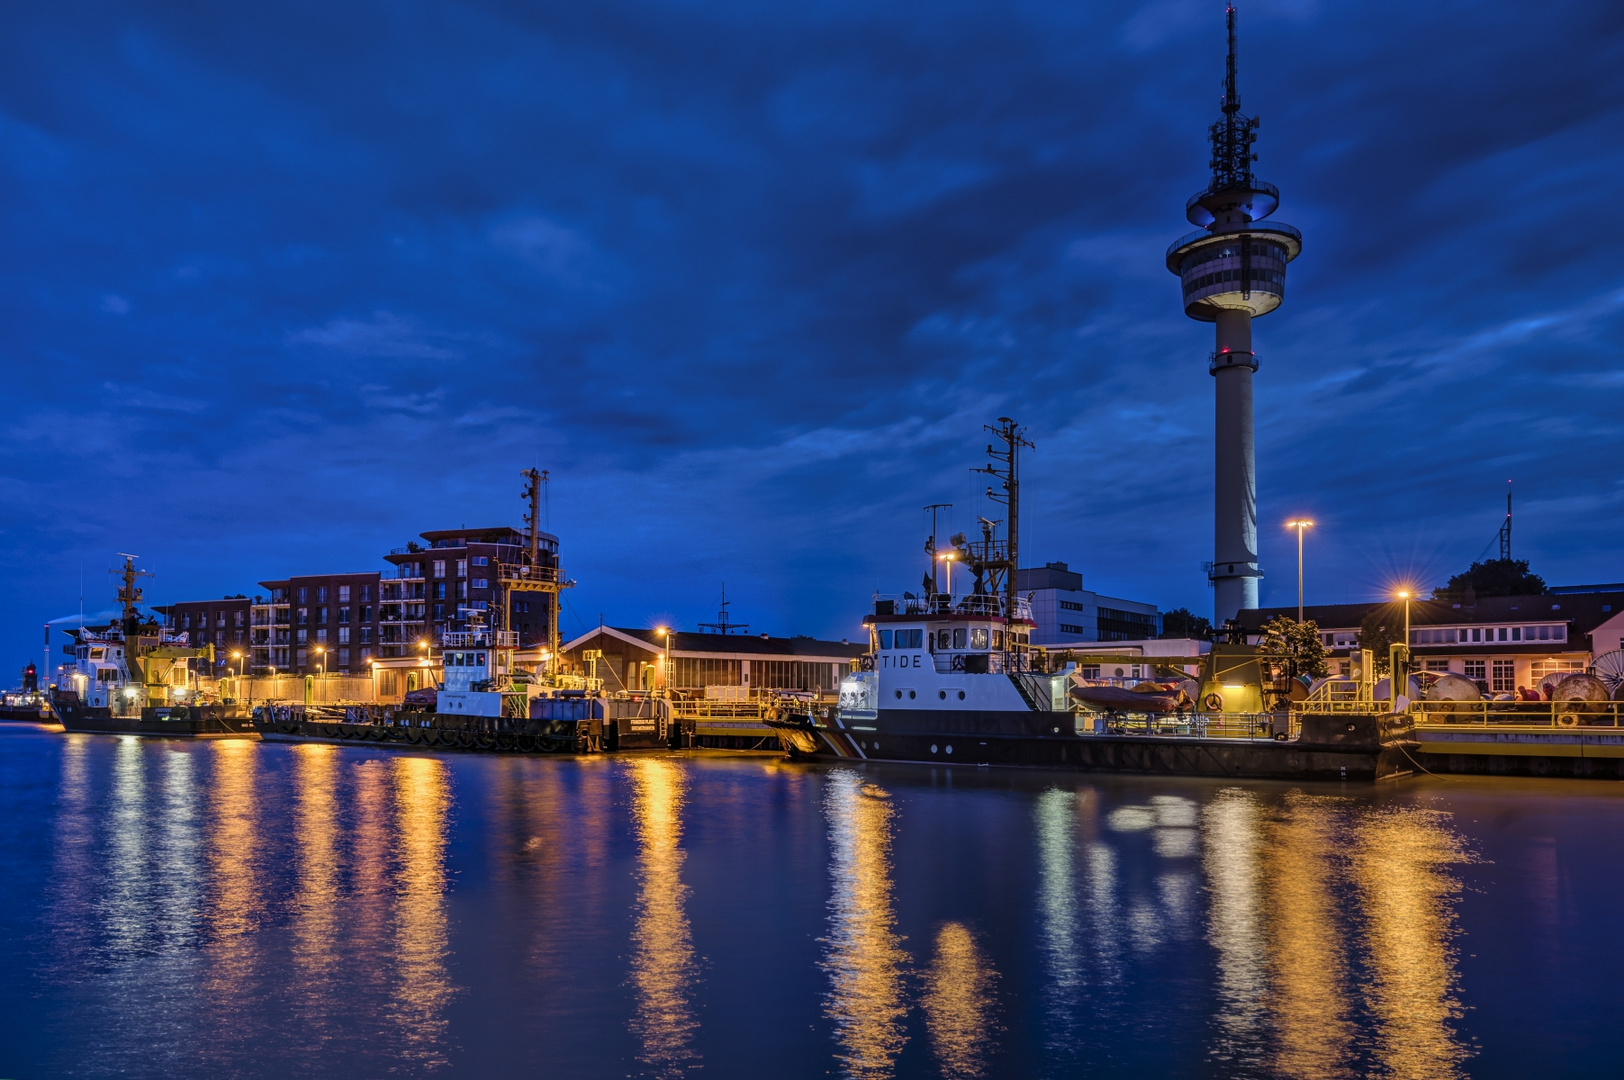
x,y
930,545
1013,436
1232,270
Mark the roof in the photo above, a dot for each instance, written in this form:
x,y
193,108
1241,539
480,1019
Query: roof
x,y
688,642
481,536
1583,611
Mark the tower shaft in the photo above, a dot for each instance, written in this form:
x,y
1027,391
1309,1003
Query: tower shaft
x,y
1234,539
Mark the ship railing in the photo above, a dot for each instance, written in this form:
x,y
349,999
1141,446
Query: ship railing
x,y
522,573
466,639
982,604
1587,716
1256,726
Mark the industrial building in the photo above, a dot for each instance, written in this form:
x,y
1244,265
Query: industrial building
x,y
1068,614
712,665
1501,642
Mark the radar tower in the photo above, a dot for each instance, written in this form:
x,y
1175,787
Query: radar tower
x,y
1232,270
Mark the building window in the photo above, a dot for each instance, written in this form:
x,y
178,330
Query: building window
x,y
303,616
480,560
343,614
439,568
1066,629
387,683
300,656
1476,669
343,635
303,636
366,633
366,653
462,568
482,583
366,594
1505,676
237,618
343,658
321,616
321,594
1069,605
462,590
304,594
439,609
439,594
343,594
1437,665
321,635
366,613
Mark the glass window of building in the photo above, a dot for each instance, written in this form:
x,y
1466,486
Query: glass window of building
x,y
439,568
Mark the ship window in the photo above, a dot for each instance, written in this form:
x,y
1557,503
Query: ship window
x,y
944,638
480,660
997,639
885,639
911,639
959,637
978,637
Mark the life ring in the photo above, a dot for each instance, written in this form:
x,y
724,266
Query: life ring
x,y
1567,719
1213,703
958,663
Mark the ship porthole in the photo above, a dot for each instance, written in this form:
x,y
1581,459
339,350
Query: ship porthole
x,y
949,749
912,695
899,695
961,695
942,694
933,748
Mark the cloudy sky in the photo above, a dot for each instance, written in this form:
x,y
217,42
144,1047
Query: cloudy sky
x,y
285,285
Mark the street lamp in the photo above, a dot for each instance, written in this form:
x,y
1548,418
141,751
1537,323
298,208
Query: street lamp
x,y
1405,595
320,669
666,633
237,656
1300,526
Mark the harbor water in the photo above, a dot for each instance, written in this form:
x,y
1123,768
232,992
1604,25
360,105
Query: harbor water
x,y
234,908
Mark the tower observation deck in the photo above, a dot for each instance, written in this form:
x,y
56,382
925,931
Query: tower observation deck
x,y
1232,270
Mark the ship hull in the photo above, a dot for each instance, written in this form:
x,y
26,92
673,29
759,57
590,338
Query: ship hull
x,y
177,722
1039,740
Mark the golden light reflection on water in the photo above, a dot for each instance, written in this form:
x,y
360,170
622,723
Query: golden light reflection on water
x,y
423,987
1400,868
663,962
1231,859
863,953
125,904
958,1004
233,815
317,926
1307,949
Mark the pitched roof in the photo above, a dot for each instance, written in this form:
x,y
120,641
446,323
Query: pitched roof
x,y
1584,611
685,641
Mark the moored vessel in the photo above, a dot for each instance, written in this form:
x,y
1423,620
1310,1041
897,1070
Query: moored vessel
x,y
134,676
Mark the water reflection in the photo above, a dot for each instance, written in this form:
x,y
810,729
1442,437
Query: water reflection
x,y
1307,965
863,954
1232,842
316,926
1400,867
958,1004
233,908
1057,907
423,988
663,962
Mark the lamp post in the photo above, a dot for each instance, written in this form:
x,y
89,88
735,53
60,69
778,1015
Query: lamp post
x,y
1405,595
1300,526
666,633
320,664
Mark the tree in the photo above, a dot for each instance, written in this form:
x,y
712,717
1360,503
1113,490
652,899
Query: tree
x,y
1493,577
1379,630
1297,642
1184,623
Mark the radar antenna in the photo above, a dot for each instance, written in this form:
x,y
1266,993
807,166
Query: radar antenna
x,y
721,625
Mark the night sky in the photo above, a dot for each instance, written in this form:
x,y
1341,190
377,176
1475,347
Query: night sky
x,y
285,285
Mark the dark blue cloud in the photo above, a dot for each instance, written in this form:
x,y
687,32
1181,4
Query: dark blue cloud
x,y
281,287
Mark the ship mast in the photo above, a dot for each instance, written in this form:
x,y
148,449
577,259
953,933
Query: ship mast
x,y
538,572
1005,466
128,595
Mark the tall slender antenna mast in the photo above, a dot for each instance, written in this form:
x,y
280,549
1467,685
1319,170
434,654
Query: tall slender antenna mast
x,y
1013,437
1505,530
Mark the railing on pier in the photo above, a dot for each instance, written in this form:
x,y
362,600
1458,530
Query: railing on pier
x,y
1519,715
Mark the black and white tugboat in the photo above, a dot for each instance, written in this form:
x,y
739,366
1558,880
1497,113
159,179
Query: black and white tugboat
x,y
954,680
134,676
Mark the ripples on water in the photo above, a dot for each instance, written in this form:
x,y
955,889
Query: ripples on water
x,y
233,908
